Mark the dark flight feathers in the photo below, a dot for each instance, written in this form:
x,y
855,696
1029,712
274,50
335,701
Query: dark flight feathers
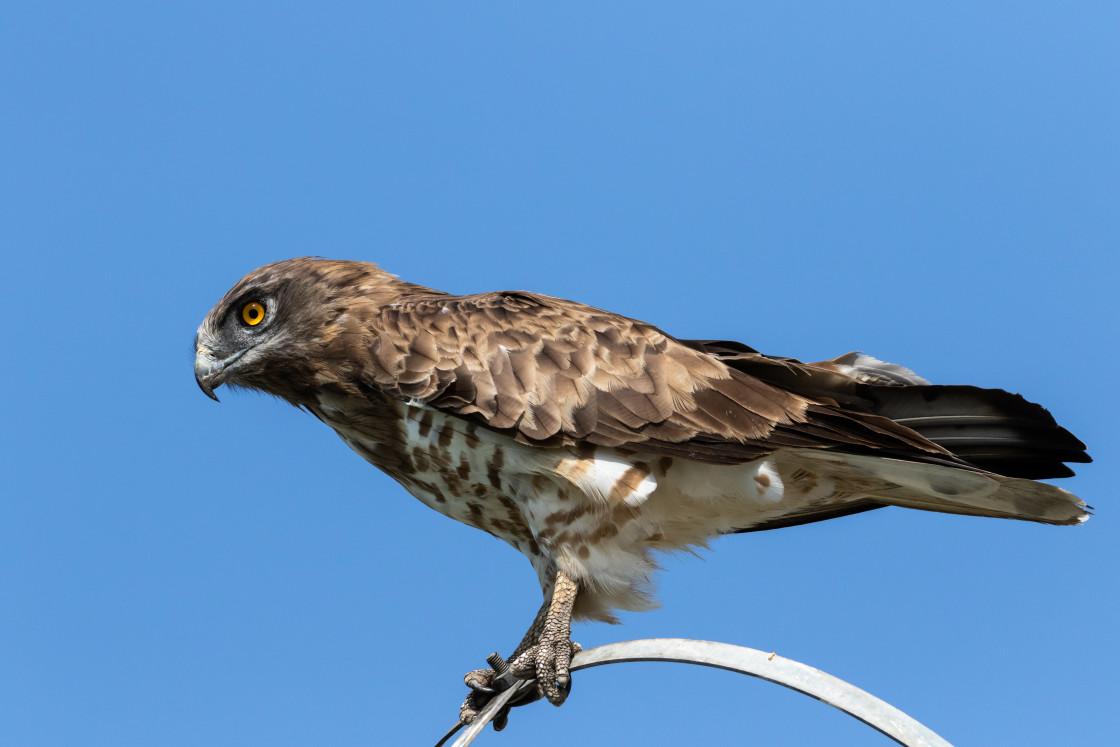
x,y
989,428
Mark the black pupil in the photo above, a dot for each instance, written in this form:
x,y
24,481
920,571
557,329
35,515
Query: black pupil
x,y
253,312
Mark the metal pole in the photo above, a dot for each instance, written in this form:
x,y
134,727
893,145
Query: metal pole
x,y
824,687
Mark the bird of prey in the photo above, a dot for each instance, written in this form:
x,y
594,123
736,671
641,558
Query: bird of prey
x,y
590,441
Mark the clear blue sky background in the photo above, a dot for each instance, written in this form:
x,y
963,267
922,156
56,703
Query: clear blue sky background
x,y
935,184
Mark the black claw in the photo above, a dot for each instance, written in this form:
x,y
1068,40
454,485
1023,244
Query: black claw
x,y
565,684
483,689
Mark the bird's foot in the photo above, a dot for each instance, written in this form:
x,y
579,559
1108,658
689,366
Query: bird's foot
x,y
548,662
544,655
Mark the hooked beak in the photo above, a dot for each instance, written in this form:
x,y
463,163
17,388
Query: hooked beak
x,y
209,371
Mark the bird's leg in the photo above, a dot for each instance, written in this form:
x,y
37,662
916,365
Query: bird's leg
x,y
545,653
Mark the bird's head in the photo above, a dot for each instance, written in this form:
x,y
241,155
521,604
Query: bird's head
x,y
272,329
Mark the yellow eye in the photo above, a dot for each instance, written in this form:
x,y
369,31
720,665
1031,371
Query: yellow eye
x,y
252,313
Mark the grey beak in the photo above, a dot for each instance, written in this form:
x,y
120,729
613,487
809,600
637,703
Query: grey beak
x,y
209,372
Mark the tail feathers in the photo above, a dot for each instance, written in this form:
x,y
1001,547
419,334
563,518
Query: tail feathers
x,y
934,487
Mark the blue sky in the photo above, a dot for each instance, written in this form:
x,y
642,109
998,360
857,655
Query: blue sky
x,y
933,184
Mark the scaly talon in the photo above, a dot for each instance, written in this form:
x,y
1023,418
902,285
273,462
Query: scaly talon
x,y
545,654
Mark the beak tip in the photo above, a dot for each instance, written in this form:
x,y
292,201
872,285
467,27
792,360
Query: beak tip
x,y
207,389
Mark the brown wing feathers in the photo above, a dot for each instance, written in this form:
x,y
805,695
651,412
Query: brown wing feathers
x,y
547,371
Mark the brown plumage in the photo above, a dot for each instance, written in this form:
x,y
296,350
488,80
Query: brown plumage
x,y
587,439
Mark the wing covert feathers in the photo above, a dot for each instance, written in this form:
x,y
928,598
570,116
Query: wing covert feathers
x,y
550,372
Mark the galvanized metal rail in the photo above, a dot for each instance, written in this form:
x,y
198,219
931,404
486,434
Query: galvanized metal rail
x,y
848,698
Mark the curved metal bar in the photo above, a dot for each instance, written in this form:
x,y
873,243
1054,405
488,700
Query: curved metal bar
x,y
877,714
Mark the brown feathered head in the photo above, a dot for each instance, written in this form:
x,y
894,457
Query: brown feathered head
x,y
274,329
